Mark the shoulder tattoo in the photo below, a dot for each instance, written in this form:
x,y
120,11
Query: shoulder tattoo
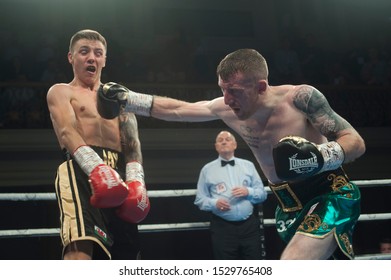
x,y
317,109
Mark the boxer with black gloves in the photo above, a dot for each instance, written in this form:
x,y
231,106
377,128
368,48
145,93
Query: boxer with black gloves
x,y
99,212
111,96
296,158
318,205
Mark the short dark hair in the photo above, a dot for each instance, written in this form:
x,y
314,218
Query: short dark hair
x,y
89,35
247,61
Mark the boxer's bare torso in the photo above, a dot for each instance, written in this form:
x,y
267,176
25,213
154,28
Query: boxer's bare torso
x,y
270,123
78,116
262,117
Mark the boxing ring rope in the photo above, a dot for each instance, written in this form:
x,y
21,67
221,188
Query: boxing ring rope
x,y
16,233
164,193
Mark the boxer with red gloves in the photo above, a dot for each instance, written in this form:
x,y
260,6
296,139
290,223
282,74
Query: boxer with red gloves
x,y
98,211
108,189
136,206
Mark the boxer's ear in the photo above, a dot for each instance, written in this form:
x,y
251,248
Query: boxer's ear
x,y
262,86
70,57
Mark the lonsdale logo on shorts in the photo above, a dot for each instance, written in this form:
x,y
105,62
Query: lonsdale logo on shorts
x,y
305,165
100,232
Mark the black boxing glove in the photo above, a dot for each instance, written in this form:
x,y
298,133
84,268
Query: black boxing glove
x,y
296,158
112,96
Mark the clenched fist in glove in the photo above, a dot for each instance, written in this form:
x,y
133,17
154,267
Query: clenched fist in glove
x,y
108,189
112,96
296,158
136,206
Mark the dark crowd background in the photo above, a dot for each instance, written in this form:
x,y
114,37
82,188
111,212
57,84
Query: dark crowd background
x,y
342,46
172,48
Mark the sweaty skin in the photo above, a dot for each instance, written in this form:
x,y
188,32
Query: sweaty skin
x,y
262,114
76,121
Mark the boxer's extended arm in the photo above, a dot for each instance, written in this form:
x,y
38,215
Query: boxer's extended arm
x,y
315,106
170,109
111,96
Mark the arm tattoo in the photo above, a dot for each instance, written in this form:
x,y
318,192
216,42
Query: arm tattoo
x,y
129,137
317,109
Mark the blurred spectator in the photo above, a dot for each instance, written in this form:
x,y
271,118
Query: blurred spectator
x,y
21,99
52,73
385,246
373,71
16,70
354,62
12,47
388,73
337,73
286,64
311,59
131,67
175,59
45,52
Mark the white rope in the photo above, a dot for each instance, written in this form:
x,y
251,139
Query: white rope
x,y
142,228
27,196
373,183
174,227
172,193
374,257
15,233
375,217
164,193
29,232
162,227
150,228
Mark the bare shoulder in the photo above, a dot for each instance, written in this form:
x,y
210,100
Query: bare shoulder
x,y
217,102
60,87
305,96
218,107
60,90
300,91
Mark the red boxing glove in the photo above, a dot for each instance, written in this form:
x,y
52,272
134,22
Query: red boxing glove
x,y
108,189
136,206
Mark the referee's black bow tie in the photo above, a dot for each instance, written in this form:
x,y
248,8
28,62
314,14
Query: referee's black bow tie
x,y
224,162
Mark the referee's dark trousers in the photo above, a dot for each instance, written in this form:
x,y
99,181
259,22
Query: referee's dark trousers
x,y
236,240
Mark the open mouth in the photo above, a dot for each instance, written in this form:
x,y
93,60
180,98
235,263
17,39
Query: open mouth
x,y
91,69
235,109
